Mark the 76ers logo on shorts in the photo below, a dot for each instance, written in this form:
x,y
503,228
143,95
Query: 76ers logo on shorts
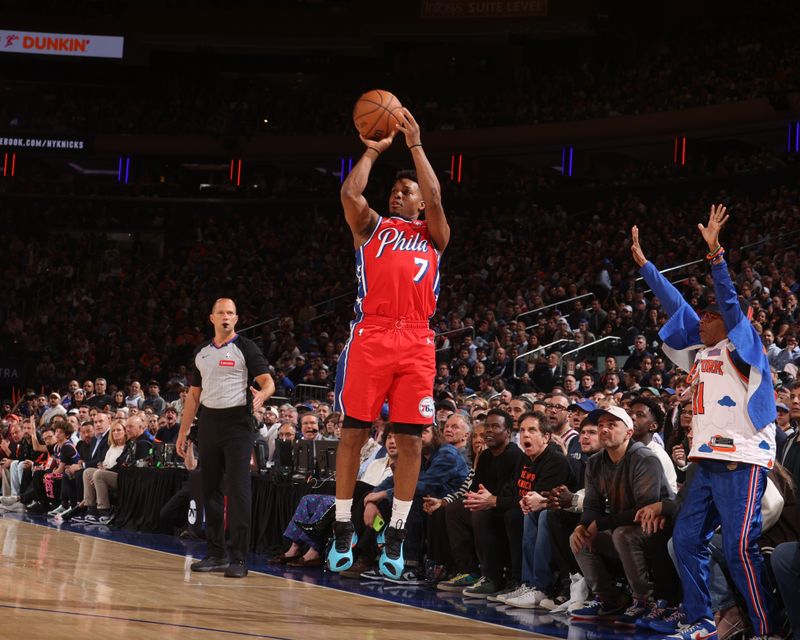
x,y
426,407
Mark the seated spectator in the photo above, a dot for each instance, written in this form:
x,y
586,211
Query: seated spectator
x,y
101,399
10,440
310,526
332,427
21,458
169,432
309,426
456,432
283,444
564,514
468,519
647,419
678,442
544,468
48,491
620,480
137,447
70,495
32,486
153,399
135,398
442,472
557,414
440,557
118,400
116,439
54,408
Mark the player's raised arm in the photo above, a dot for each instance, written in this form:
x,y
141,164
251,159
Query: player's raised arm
x,y
427,180
727,297
670,297
357,212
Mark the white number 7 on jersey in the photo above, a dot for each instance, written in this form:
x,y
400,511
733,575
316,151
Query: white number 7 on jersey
x,y
423,268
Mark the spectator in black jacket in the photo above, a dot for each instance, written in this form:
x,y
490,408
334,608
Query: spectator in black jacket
x,y
543,468
469,520
169,433
620,480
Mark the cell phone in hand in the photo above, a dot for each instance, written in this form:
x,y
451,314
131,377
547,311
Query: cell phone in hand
x,y
378,522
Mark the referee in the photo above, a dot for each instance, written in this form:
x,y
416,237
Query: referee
x,y
223,369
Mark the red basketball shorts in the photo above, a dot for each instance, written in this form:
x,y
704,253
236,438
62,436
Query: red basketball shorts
x,y
387,360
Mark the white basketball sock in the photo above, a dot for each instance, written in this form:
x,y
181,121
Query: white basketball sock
x,y
344,510
400,509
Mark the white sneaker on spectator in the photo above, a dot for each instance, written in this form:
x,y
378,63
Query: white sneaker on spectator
x,y
578,594
552,603
7,501
509,588
505,597
57,511
17,507
97,519
528,600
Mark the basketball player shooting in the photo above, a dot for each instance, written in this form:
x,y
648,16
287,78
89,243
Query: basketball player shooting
x,y
390,353
733,409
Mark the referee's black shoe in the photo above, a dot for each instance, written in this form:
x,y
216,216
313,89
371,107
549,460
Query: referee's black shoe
x,y
209,563
236,569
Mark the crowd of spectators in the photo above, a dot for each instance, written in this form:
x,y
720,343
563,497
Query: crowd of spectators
x,y
65,320
752,54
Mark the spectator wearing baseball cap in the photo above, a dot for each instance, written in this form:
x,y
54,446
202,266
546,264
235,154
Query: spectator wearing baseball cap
x,y
54,408
153,399
624,477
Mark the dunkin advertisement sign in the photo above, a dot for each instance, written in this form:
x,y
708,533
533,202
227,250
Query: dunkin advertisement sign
x,y
61,44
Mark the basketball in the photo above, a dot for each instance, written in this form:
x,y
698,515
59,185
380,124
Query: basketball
x,y
374,114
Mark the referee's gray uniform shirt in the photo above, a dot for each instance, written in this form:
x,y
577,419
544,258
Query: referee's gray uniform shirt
x,y
224,372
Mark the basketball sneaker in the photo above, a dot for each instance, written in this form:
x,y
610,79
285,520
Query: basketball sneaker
x,y
340,556
597,610
703,629
656,611
391,562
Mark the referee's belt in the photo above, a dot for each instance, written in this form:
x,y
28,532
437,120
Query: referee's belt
x,y
394,323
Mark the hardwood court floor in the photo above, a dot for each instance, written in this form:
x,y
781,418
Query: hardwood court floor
x,y
61,584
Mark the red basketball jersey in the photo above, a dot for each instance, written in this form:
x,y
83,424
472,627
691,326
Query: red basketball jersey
x,y
398,271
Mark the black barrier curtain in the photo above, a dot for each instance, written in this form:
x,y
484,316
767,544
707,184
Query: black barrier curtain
x,y
274,502
142,494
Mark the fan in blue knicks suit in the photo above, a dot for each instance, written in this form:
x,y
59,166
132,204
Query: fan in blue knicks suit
x,y
733,408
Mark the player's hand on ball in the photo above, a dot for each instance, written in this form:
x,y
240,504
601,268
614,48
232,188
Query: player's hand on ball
x,y
636,248
409,126
380,145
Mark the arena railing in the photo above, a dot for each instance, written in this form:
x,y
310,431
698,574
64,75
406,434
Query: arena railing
x,y
452,331
303,392
532,351
590,345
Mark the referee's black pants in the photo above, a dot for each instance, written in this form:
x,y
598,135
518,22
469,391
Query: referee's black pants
x,y
225,439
